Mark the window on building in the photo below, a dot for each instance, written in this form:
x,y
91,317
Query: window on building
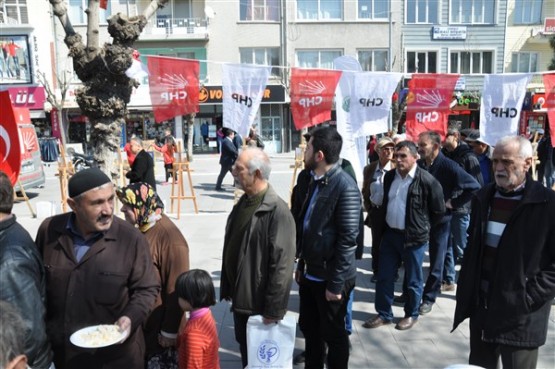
x,y
261,56
471,62
472,11
373,9
319,9
259,10
76,11
524,62
14,11
317,58
422,11
527,12
373,60
422,62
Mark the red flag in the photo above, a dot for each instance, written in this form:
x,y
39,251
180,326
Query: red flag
x,y
10,150
174,86
104,4
428,103
549,85
312,92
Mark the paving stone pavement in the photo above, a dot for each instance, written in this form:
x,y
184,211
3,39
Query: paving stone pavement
x,y
429,344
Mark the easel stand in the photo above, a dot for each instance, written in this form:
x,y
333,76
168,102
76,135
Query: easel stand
x,y
23,197
179,167
65,170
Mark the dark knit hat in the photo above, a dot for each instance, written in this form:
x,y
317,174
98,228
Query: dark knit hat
x,y
85,180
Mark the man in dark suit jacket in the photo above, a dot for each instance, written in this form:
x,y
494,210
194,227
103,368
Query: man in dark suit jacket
x,y
227,157
143,166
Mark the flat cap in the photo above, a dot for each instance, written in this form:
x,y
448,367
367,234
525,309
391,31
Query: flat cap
x,y
86,180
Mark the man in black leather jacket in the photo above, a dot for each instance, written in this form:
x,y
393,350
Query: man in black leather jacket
x,y
22,280
327,231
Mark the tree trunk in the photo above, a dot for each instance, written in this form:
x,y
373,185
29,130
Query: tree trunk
x,y
190,118
106,89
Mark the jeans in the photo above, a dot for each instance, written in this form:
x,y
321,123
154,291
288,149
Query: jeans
x,y
456,245
323,322
439,236
392,251
349,316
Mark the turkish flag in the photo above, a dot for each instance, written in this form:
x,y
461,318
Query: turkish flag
x,y
174,86
104,4
312,92
549,85
10,149
428,102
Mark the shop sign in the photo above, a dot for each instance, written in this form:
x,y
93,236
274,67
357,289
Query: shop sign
x,y
448,33
56,130
27,97
214,94
466,102
549,26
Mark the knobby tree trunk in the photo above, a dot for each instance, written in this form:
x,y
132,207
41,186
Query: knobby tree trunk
x,y
106,89
190,119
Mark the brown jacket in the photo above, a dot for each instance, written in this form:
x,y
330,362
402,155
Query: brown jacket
x,y
114,278
170,255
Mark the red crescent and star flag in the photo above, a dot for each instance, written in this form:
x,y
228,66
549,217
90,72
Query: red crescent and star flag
x,y
10,147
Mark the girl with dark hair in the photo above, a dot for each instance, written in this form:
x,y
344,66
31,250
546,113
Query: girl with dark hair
x,y
198,341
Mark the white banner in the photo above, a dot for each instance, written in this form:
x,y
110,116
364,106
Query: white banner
x,y
354,149
243,87
502,99
371,94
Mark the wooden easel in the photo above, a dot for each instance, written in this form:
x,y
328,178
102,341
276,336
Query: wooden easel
x,y
180,166
65,170
23,197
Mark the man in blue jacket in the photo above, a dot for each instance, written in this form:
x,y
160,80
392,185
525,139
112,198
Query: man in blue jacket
x,y
229,153
507,281
458,187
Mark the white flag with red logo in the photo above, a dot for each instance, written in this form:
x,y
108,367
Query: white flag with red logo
x,y
502,99
370,101
243,88
174,86
549,85
312,92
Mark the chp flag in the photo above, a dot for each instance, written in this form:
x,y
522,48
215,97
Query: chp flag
x,y
549,84
502,98
174,86
312,92
10,147
243,88
428,102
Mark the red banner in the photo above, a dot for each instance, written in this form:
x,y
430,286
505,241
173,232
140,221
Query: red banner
x,y
428,103
55,122
312,92
174,87
10,150
549,85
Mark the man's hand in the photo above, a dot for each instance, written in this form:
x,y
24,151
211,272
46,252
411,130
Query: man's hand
x,y
298,276
124,324
330,296
448,204
269,320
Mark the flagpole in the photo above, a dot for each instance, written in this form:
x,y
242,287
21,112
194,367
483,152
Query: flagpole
x,y
390,66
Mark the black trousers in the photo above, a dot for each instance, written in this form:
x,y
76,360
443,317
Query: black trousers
x,y
486,354
240,324
168,168
323,322
223,171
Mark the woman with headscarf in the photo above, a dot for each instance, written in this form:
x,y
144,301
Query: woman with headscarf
x,y
170,253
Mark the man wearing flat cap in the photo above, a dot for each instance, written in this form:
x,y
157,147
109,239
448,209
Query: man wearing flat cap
x,y
98,271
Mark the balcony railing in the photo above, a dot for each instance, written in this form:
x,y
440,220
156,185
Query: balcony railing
x,y
185,27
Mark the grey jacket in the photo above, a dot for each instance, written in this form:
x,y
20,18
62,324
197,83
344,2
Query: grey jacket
x,y
265,263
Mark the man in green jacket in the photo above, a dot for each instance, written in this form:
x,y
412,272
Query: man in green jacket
x,y
259,248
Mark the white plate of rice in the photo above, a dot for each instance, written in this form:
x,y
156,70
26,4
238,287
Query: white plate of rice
x,y
98,336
